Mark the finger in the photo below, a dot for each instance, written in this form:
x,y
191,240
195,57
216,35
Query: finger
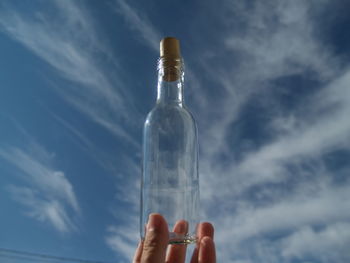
x,y
177,253
207,251
156,240
138,253
204,229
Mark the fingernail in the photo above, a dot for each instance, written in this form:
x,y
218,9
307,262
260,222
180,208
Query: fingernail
x,y
183,227
153,222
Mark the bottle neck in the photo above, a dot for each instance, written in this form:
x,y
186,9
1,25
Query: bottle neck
x,y
170,81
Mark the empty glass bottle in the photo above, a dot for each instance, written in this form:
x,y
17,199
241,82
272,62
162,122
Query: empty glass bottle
x,y
170,153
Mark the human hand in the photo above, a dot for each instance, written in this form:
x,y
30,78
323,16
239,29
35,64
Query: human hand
x,y
154,248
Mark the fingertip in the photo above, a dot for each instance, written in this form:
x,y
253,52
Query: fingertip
x,y
181,227
156,215
209,226
206,229
156,222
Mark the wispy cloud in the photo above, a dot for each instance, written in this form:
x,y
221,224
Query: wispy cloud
x,y
275,40
301,142
123,238
271,184
46,192
317,206
308,242
67,40
140,24
309,135
43,209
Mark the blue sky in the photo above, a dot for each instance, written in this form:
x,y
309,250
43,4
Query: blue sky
x,y
267,81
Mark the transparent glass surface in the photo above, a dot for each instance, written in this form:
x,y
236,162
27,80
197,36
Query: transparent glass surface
x,y
170,164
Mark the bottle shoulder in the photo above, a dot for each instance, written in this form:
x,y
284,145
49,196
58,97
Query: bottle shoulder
x,y
170,114
168,111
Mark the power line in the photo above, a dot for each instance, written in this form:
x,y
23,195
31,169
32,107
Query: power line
x,y
43,257
28,258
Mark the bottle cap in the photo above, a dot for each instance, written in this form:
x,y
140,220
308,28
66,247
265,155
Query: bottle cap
x,y
170,48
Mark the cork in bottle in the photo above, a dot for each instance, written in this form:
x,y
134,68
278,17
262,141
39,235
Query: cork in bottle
x,y
170,58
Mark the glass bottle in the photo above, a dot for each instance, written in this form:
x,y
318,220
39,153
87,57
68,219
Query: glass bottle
x,y
169,184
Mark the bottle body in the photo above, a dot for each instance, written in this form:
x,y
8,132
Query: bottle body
x,y
170,170
170,184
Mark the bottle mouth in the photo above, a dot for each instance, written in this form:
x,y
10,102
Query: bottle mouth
x,y
170,69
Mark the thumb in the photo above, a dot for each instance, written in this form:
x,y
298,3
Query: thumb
x,y
156,240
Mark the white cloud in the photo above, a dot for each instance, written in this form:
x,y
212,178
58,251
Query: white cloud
x,y
272,42
304,207
123,239
47,193
300,143
266,192
47,210
140,24
310,243
270,47
69,43
87,145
